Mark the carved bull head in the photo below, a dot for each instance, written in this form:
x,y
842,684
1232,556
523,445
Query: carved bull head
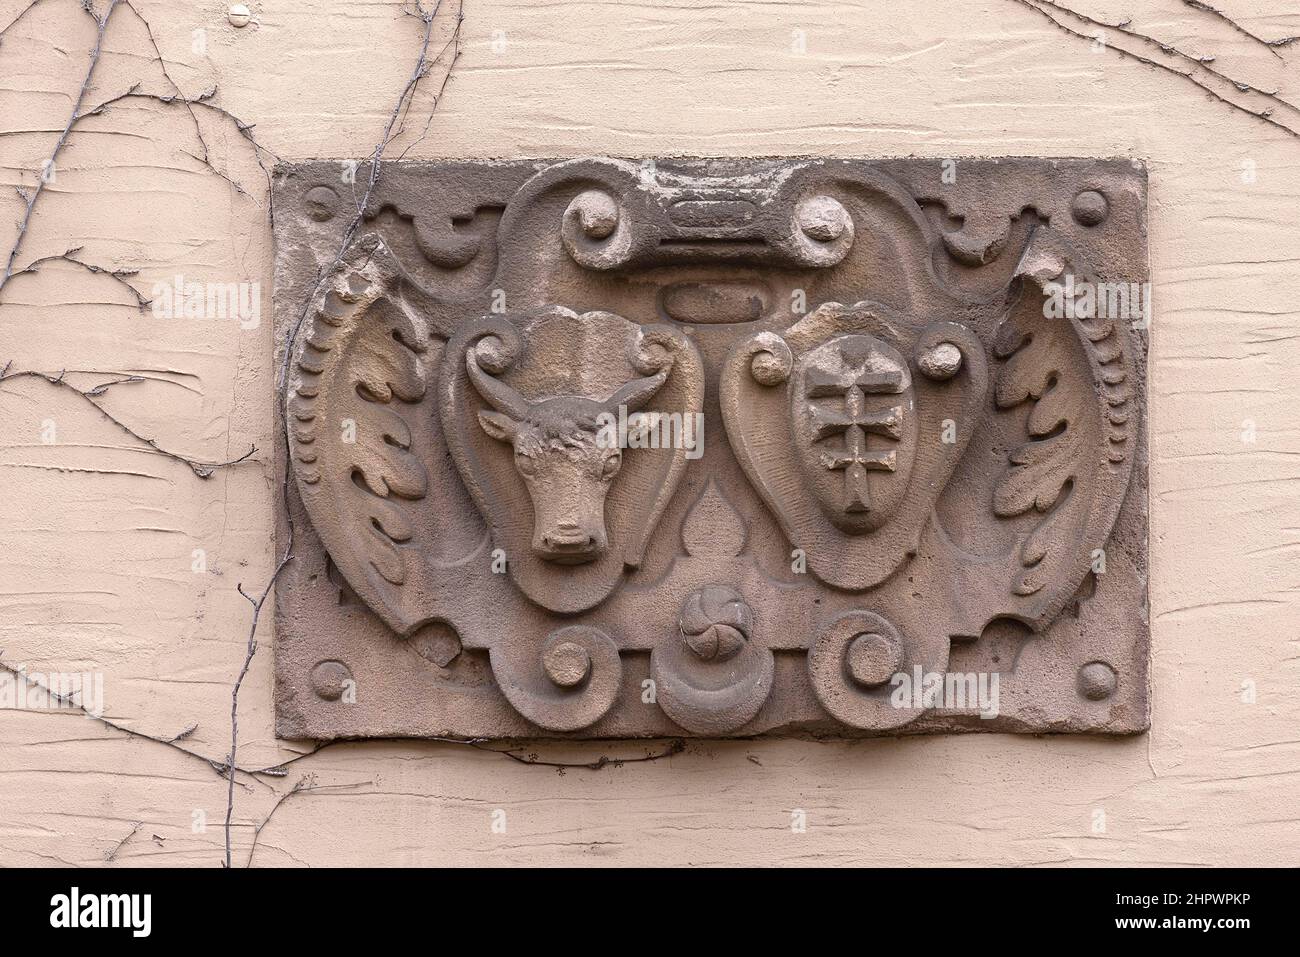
x,y
563,456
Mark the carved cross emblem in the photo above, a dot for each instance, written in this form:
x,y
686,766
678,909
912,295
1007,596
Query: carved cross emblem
x,y
855,419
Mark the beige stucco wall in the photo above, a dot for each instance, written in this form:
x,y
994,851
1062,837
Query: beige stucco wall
x,y
97,532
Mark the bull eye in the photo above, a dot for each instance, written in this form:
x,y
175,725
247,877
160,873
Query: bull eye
x,y
524,462
609,468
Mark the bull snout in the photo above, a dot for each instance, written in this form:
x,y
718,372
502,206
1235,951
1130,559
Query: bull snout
x,y
570,543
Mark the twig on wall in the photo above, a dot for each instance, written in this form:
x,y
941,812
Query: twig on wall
x,y
31,196
303,785
676,746
118,275
453,43
1197,62
15,21
162,65
281,770
122,843
1262,115
69,702
1272,45
201,469
250,651
204,102
423,65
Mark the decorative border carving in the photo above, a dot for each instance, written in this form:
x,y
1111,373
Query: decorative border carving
x,y
907,465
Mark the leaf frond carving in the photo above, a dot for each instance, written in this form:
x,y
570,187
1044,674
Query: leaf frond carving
x,y
361,366
1076,372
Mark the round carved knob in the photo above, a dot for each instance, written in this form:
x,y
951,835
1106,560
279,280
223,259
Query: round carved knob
x,y
872,658
771,359
567,664
716,622
1090,208
768,369
596,212
941,362
822,218
321,203
329,679
1097,681
492,355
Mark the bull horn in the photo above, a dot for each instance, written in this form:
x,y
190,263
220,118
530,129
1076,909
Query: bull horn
x,y
495,392
637,392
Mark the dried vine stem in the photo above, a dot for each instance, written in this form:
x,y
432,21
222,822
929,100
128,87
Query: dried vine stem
x,y
250,651
422,67
162,65
676,746
303,785
201,469
281,770
454,44
1271,45
1198,62
118,275
14,22
122,843
31,196
79,113
203,101
71,703
1262,115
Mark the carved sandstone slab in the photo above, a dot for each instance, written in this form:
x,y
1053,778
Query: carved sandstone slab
x,y
616,448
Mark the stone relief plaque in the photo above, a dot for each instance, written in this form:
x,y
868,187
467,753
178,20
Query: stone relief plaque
x,y
627,448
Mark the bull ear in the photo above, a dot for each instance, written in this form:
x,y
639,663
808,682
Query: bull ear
x,y
636,393
498,425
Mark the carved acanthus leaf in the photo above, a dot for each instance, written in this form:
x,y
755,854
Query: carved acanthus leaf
x,y
1040,468
1074,467
361,365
